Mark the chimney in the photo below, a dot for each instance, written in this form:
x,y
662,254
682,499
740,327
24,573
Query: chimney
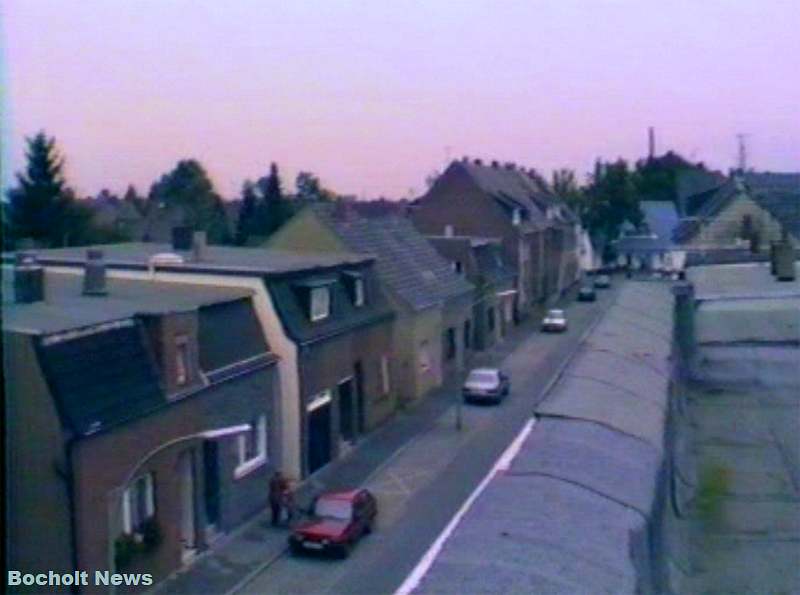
x,y
651,142
511,166
28,279
181,237
448,231
478,162
199,246
495,164
784,261
94,274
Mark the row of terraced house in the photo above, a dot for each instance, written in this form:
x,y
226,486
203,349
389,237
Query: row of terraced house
x,y
153,389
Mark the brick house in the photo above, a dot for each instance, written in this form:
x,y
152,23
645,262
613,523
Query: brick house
x,y
433,303
537,231
481,262
111,388
324,315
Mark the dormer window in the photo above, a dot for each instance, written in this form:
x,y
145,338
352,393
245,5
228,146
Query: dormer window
x,y
354,281
358,292
320,303
516,216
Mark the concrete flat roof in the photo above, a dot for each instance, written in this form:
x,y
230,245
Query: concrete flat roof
x,y
66,308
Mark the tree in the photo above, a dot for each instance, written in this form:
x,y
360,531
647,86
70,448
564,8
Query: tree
x,y
132,196
247,225
273,209
611,200
41,207
188,188
565,186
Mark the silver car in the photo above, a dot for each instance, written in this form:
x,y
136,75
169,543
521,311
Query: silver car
x,y
486,384
554,322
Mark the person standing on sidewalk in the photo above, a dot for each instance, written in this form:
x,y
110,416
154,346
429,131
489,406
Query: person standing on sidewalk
x,y
277,491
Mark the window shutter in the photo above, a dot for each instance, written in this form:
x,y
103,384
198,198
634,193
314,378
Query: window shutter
x,y
149,495
127,525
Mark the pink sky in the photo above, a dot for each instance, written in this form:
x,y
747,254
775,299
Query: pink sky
x,y
372,95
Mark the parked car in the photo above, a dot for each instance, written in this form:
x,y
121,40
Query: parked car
x,y
602,282
554,322
338,520
586,294
486,384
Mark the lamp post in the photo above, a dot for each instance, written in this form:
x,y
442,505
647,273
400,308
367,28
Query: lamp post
x,y
115,503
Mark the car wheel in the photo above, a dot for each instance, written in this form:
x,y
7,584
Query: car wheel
x,y
295,548
344,551
367,528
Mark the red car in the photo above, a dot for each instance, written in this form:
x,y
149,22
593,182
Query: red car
x,y
339,519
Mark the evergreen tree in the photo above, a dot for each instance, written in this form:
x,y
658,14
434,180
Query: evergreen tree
x,y
247,224
273,209
188,188
39,206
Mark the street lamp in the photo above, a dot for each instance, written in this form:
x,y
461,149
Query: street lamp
x,y
115,504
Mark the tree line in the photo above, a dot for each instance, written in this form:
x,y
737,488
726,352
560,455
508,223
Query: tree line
x,y
42,209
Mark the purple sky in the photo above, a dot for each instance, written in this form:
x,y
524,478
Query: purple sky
x,y
372,95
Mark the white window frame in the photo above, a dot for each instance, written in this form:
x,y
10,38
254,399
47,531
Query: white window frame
x,y
129,497
319,309
385,378
245,465
320,399
516,216
358,292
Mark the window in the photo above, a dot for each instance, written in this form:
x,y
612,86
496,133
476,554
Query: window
x,y
458,268
467,334
358,292
138,504
490,318
386,385
320,303
516,217
252,448
424,357
181,360
450,344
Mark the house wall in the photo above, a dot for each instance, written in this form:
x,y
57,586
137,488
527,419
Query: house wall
x,y
454,315
455,200
38,534
725,228
305,233
415,332
325,364
103,462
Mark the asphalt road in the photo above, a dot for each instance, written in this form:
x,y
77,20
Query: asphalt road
x,y
421,486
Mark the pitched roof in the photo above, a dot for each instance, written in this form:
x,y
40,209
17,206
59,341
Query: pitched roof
x,y
406,262
717,201
778,194
103,377
661,217
694,186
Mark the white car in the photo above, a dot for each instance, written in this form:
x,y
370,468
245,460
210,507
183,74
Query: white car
x,y
486,384
554,322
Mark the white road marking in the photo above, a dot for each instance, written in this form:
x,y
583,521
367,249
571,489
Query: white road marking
x,y
502,464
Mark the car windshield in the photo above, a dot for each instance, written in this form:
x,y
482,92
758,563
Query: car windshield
x,y
482,377
556,314
333,509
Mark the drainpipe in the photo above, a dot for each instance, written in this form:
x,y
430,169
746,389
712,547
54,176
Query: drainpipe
x,y
69,477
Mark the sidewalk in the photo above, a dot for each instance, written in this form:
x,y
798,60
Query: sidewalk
x,y
243,553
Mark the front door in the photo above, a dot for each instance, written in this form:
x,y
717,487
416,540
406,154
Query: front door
x,y
361,414
346,410
211,485
319,437
186,476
